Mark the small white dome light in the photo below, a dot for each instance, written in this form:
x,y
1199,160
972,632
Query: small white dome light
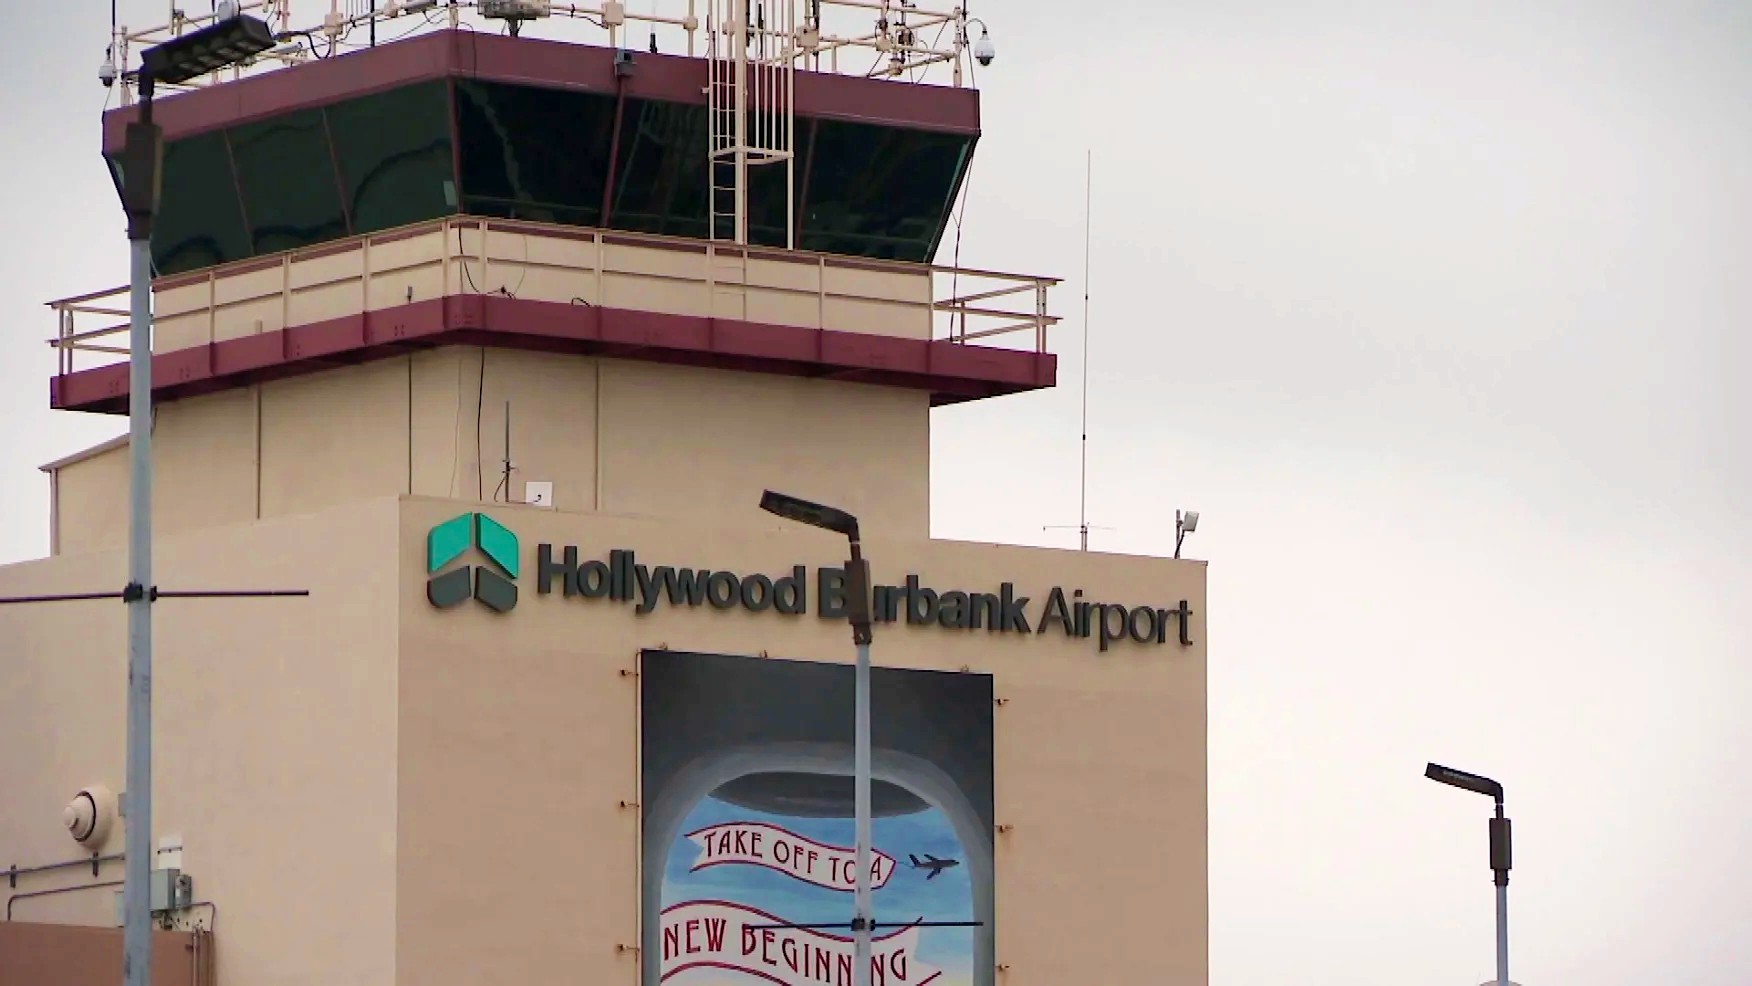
x,y
983,49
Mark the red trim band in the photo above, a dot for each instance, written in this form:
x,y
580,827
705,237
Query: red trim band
x,y
951,372
447,54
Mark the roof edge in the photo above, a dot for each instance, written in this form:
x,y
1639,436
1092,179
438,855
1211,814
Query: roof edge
x,y
540,62
120,441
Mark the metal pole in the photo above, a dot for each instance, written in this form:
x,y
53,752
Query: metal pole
x,y
1083,477
861,799
857,596
1502,932
136,913
136,903
1501,859
1501,852
739,10
858,611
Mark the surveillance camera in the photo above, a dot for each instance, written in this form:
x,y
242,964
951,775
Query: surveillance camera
x,y
983,49
106,73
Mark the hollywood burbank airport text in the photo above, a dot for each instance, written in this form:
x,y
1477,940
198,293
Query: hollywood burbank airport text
x,y
622,578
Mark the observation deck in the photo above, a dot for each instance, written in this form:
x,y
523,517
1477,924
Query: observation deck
x,y
520,285
464,188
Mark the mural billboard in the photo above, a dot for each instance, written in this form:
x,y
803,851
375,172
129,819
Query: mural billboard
x,y
747,809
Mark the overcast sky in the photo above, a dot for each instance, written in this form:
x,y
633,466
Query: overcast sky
x,y
1432,310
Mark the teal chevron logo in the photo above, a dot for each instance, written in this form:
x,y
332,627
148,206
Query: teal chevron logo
x,y
493,584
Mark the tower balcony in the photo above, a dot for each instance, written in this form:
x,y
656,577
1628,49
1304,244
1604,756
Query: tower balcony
x,y
960,334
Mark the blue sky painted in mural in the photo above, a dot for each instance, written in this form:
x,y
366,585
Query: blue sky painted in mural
x,y
906,897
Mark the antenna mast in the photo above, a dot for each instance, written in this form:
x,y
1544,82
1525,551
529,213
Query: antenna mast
x,y
1083,495
505,479
1083,527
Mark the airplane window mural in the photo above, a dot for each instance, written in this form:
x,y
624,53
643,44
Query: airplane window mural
x,y
749,829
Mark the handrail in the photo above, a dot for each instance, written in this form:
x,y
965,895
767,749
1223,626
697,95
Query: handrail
x,y
94,861
77,335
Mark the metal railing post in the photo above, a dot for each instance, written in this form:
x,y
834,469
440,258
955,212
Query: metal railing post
x,y
1039,317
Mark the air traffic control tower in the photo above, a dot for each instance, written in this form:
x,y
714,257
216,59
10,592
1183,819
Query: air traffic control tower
x,y
490,341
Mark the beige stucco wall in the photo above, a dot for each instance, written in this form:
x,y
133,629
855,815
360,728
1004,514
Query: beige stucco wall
x,y
377,792
519,861
90,509
609,434
275,743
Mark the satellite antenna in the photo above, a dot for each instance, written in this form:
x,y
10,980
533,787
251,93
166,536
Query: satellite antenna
x,y
1082,526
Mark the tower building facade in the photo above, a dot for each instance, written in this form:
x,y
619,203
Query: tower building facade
x,y
484,347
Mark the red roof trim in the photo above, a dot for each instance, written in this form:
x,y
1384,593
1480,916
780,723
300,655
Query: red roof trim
x,y
531,61
951,372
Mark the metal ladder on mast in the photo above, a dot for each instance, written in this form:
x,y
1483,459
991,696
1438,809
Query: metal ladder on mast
x,y
751,51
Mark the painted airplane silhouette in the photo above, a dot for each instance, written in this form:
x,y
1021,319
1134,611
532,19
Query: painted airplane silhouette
x,y
933,864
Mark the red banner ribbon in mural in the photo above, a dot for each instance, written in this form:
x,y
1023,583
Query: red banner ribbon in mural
x,y
760,844
713,934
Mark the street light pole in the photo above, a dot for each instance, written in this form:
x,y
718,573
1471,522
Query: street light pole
x,y
1500,852
143,154
858,611
1499,863
858,614
218,45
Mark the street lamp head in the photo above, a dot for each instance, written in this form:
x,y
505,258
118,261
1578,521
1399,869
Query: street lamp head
x,y
814,514
1464,781
857,569
223,43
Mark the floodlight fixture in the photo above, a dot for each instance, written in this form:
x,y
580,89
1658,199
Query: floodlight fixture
x,y
220,44
814,514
